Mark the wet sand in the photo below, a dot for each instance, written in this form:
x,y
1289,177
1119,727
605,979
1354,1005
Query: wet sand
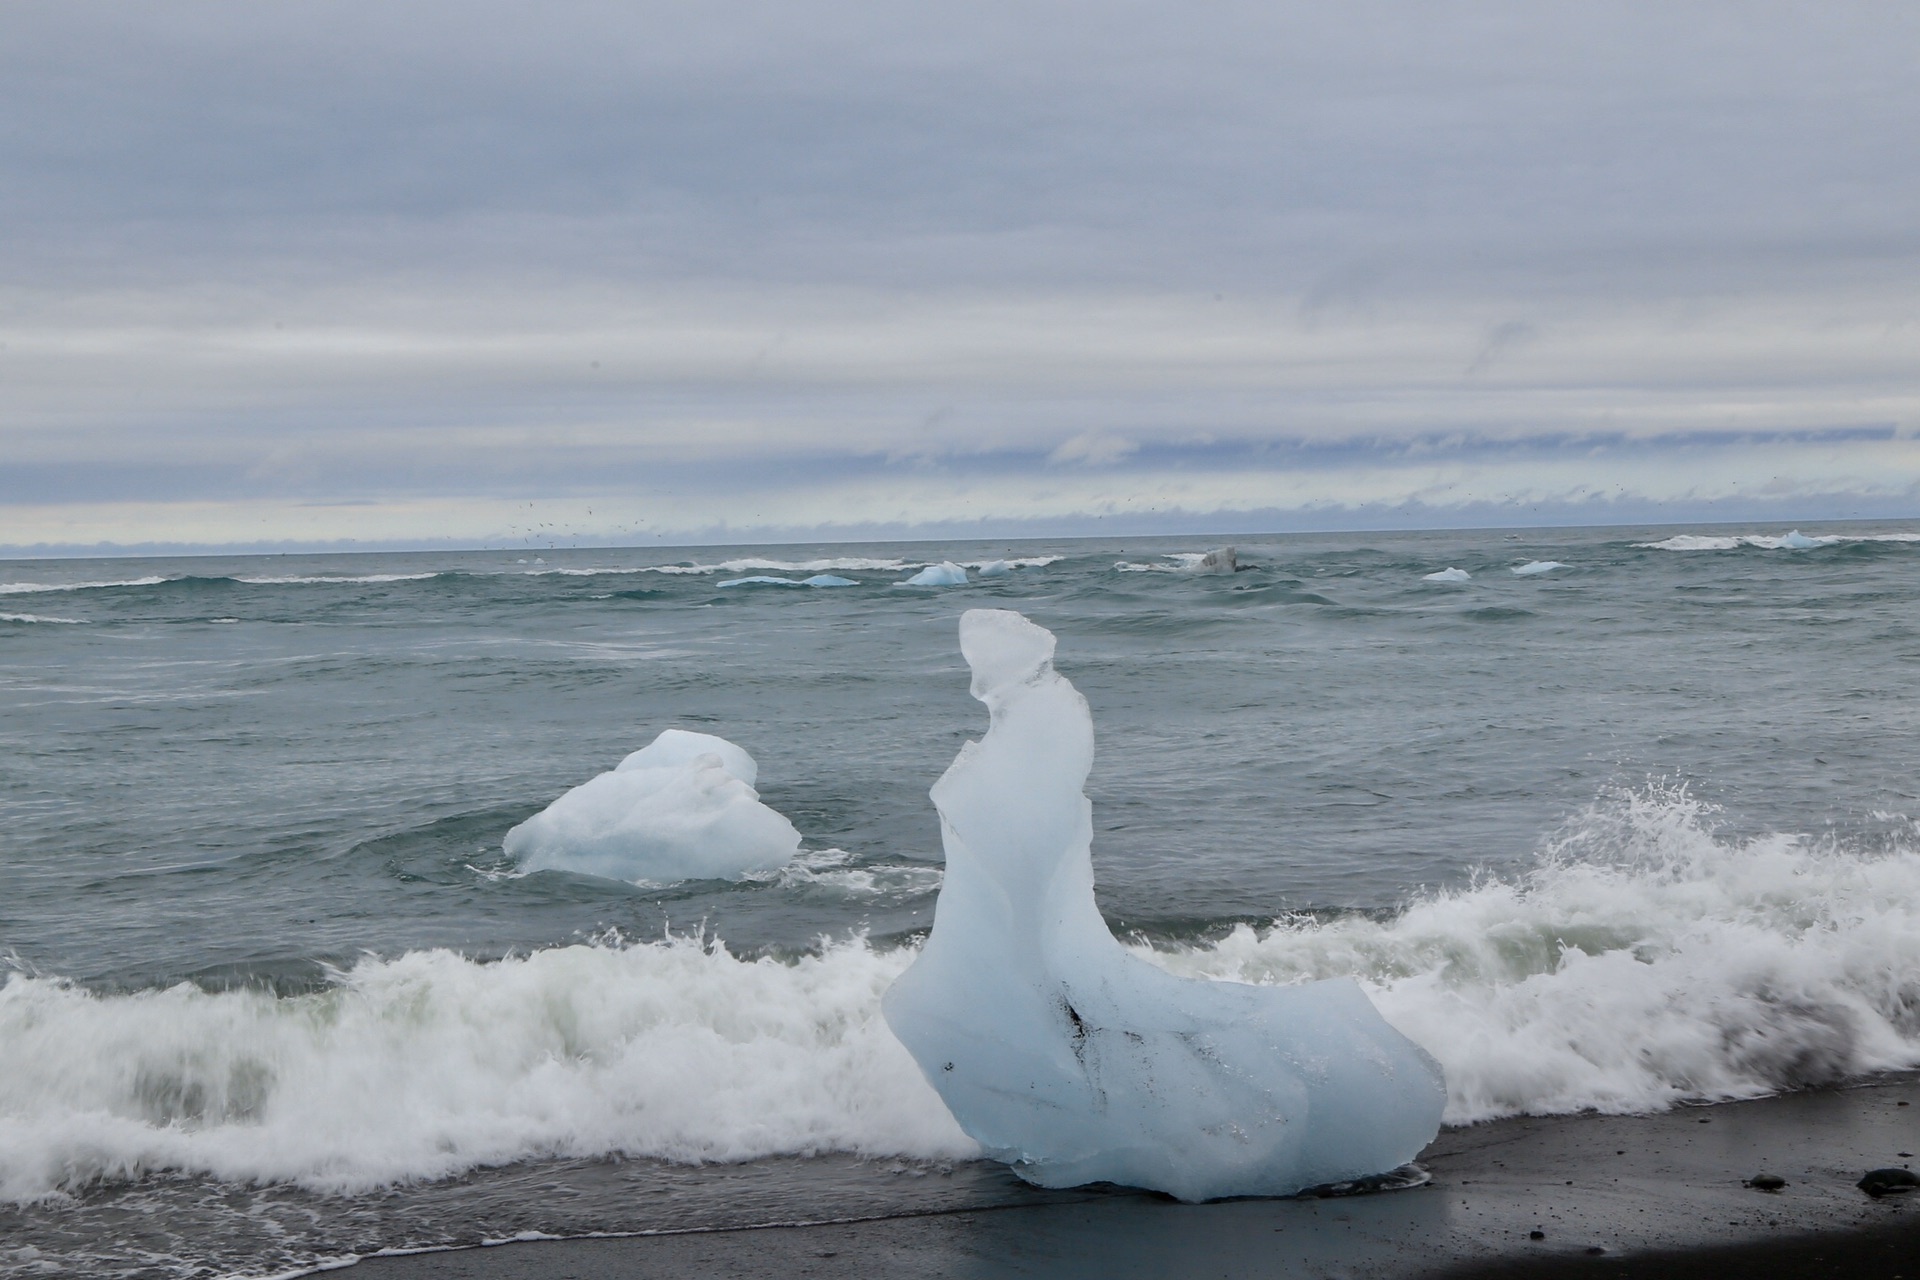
x,y
1639,1196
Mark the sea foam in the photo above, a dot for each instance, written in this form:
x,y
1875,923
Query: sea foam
x,y
430,1064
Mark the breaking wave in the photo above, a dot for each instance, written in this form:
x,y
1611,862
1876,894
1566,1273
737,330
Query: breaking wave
x,y
335,580
1793,540
1646,959
36,588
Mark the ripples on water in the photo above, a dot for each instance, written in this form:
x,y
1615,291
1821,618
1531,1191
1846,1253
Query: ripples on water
x,y
1666,777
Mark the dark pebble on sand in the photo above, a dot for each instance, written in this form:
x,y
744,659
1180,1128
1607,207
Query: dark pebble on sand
x,y
1536,1235
1886,1182
1766,1182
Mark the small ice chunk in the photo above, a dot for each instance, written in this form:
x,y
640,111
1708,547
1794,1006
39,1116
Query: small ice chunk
x,y
828,580
1448,574
1218,560
1075,1061
761,580
944,574
995,569
681,808
1794,540
1532,567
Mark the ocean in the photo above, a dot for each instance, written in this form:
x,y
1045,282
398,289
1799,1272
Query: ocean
x,y
1607,819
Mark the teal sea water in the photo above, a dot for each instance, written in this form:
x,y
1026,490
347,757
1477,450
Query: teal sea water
x,y
1617,819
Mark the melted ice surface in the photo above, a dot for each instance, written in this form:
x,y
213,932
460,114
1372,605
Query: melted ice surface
x,y
681,808
1076,1061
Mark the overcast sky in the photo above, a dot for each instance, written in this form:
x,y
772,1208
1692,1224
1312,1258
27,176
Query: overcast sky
x,y
486,273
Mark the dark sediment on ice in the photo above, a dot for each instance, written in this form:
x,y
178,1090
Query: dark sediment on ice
x,y
1635,1196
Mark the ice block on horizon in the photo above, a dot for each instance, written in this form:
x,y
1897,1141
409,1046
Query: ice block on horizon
x,y
1075,1061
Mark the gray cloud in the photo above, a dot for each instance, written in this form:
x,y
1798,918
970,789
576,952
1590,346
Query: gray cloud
x,y
332,251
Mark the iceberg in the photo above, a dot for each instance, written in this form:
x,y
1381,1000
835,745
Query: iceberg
x,y
1075,1061
1794,540
944,574
1533,567
681,808
1218,560
1448,574
995,569
828,580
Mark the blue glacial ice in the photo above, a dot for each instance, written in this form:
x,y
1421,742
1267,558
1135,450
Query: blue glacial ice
x,y
995,569
944,574
1448,574
828,580
1534,567
680,808
1075,1061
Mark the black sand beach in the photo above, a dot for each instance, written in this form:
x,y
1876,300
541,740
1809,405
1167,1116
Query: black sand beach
x,y
1639,1196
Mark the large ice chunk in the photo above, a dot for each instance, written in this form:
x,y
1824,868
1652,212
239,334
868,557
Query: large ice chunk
x,y
1074,1060
1218,560
681,808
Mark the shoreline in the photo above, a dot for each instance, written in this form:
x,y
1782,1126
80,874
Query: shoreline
x,y
1649,1195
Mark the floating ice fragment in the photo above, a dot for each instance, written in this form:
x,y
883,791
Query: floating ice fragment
x,y
1075,1061
944,574
1448,574
1218,560
681,808
1794,540
1532,567
995,569
828,580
